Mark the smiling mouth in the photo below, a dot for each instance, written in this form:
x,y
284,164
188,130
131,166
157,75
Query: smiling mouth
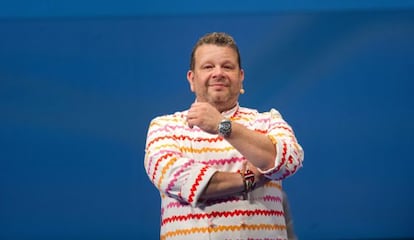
x,y
220,85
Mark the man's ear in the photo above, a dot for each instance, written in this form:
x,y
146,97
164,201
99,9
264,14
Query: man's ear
x,y
190,78
242,75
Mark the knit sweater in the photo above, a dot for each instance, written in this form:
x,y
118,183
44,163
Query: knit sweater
x,y
180,161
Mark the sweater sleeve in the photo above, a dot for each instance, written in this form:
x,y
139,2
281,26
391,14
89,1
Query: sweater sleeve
x,y
167,166
290,154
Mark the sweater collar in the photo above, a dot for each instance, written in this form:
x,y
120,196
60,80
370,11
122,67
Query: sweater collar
x,y
231,112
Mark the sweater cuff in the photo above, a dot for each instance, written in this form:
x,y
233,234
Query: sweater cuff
x,y
196,183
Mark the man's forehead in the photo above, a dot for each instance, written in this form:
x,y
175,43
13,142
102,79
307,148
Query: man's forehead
x,y
207,50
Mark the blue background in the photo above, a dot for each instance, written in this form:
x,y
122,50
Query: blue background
x,y
81,80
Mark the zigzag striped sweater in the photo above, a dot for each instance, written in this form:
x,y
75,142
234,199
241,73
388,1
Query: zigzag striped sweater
x,y
180,161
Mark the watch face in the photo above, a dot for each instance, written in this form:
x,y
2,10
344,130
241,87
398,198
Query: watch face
x,y
226,125
225,128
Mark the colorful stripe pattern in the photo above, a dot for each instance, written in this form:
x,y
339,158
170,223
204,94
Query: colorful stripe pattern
x,y
180,162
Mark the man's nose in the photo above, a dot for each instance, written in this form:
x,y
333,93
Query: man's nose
x,y
218,72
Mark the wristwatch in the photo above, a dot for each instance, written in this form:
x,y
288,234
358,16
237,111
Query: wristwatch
x,y
224,128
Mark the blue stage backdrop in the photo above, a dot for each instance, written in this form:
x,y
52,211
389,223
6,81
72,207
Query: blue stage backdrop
x,y
79,85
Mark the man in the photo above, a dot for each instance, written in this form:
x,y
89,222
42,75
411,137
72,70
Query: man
x,y
218,166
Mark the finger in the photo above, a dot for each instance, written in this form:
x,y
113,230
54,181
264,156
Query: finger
x,y
194,105
190,121
244,167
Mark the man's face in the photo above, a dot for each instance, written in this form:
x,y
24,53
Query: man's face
x,y
217,77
